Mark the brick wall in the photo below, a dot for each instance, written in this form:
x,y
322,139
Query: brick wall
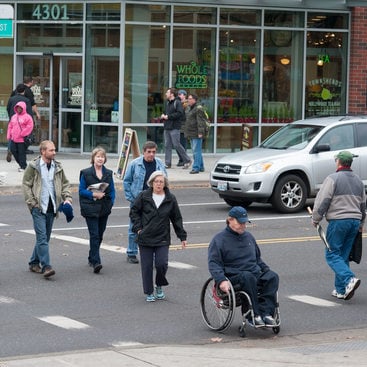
x,y
358,62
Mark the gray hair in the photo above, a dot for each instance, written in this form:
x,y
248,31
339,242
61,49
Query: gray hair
x,y
156,174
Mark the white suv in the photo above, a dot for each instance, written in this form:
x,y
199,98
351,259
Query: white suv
x,y
290,165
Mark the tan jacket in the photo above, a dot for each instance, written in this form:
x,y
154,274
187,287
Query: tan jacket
x,y
32,185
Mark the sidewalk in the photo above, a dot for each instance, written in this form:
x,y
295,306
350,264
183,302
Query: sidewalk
x,y
11,179
333,349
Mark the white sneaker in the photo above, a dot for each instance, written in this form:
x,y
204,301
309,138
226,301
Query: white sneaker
x,y
334,293
351,287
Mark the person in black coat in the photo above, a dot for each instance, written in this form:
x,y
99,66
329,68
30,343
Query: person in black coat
x,y
96,196
151,214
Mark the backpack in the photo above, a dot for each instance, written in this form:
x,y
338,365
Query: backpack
x,y
207,122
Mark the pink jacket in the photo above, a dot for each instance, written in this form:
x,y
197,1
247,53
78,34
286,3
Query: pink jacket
x,y
20,125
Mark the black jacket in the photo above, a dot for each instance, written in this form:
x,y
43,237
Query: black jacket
x,y
176,114
95,208
155,223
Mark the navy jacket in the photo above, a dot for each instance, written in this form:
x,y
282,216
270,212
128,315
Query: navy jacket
x,y
231,253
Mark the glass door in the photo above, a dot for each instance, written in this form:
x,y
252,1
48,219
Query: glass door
x,y
57,89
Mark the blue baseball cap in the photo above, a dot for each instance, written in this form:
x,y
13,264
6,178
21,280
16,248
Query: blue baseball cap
x,y
182,91
239,213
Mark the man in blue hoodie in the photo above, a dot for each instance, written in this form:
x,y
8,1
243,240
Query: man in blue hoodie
x,y
235,256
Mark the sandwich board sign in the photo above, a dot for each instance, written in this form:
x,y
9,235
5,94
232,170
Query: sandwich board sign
x,y
6,21
130,143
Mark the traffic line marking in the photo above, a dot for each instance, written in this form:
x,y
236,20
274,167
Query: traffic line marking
x,y
8,300
179,265
4,225
313,301
64,322
125,344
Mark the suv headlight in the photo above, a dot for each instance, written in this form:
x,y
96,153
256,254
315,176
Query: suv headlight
x,y
259,167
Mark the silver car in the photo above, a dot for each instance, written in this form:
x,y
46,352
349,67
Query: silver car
x,y
291,164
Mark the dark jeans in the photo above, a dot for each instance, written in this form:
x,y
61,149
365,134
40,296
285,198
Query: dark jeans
x,y
96,228
158,255
18,151
262,290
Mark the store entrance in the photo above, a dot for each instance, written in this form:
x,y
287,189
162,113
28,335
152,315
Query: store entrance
x,y
57,89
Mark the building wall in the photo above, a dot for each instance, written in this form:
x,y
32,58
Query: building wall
x,y
357,102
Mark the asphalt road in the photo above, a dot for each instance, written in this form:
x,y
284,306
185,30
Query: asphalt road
x,y
77,309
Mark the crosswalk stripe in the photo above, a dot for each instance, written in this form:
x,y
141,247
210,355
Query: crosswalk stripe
x,y
313,301
179,265
9,300
64,322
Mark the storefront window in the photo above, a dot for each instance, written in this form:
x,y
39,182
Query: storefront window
x,y
105,136
326,73
191,14
234,138
146,49
63,37
148,13
242,17
238,87
193,66
282,76
103,11
275,18
102,73
326,20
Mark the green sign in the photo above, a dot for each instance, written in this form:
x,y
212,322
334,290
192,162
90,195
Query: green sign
x,y
6,28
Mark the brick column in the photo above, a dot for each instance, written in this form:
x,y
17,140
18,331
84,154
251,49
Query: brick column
x,y
357,103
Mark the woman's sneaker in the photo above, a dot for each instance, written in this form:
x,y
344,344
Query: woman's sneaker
x,y
334,293
159,294
150,298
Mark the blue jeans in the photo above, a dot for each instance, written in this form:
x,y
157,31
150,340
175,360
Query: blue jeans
x,y
196,146
340,235
172,140
96,228
132,246
42,224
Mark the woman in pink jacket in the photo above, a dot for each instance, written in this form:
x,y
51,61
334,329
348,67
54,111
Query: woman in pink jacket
x,y
20,125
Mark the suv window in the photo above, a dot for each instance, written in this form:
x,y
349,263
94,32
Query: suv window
x,y
361,135
341,137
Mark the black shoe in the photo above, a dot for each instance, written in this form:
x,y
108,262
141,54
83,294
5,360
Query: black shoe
x,y
28,151
132,260
97,268
8,156
167,166
193,172
180,164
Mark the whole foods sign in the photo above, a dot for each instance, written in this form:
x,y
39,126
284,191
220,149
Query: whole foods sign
x,y
191,75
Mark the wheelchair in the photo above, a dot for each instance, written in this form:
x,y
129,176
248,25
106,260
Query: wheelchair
x,y
218,308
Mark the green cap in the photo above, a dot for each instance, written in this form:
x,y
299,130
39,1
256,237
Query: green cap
x,y
345,157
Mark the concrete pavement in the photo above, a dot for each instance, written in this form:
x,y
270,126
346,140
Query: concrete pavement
x,y
320,349
332,349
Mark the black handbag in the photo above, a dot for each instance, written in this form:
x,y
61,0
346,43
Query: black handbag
x,y
356,251
29,139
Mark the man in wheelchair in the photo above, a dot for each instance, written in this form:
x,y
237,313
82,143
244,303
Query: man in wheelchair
x,y
234,254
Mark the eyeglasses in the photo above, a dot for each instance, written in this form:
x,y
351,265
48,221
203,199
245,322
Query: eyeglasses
x,y
158,181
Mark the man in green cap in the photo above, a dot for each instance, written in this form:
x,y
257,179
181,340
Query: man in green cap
x,y
342,200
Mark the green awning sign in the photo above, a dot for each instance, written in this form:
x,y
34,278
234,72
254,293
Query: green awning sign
x,y
6,28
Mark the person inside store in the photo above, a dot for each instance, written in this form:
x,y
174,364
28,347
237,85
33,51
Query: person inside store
x,y
195,131
96,197
182,94
45,188
234,257
172,119
20,126
135,181
151,214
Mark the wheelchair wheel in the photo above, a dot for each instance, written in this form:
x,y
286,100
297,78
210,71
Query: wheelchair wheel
x,y
217,308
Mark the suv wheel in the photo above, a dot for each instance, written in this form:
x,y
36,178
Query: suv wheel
x,y
244,203
289,194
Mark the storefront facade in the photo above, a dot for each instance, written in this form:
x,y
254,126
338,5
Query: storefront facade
x,y
101,67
